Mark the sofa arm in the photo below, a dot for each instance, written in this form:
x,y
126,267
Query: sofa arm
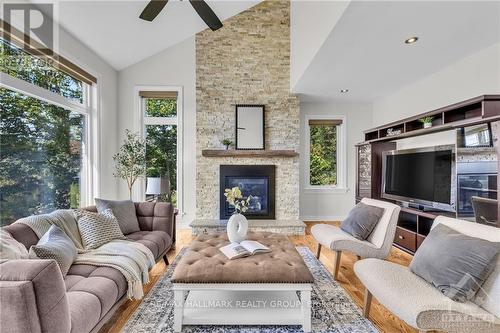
x,y
33,297
156,216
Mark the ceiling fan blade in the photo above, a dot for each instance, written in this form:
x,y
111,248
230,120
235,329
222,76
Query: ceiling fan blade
x,y
207,14
152,9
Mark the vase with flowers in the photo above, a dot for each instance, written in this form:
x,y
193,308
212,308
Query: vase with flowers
x,y
237,226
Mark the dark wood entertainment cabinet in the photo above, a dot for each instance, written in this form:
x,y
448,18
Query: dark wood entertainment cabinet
x,y
413,224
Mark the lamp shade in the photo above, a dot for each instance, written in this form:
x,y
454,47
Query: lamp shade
x,y
158,185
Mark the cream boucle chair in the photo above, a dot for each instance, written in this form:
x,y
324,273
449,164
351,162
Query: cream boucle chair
x,y
422,306
377,245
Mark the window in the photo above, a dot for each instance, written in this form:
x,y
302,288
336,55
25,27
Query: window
x,y
160,118
325,152
44,130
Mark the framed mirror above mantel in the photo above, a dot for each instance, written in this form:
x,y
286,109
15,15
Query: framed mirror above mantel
x,y
250,126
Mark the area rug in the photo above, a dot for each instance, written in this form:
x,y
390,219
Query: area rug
x,y
332,309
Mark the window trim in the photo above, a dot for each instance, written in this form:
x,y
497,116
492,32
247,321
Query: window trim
x,y
341,186
140,122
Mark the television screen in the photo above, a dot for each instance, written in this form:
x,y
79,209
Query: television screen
x,y
420,175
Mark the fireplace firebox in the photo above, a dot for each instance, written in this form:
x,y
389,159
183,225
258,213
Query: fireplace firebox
x,y
255,180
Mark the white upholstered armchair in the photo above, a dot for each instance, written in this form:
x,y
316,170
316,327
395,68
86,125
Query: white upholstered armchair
x,y
377,245
424,307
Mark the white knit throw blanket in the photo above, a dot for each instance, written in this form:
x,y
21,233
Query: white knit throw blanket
x,y
132,259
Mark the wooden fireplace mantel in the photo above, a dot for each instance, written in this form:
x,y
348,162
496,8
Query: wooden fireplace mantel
x,y
248,153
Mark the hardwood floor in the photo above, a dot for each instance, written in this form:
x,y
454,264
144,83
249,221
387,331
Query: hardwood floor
x,y
380,316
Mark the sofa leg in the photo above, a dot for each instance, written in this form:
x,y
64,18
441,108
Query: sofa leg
x,y
338,254
368,303
318,252
165,259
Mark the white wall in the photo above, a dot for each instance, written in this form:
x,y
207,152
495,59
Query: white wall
x,y
176,66
475,75
317,205
310,23
81,55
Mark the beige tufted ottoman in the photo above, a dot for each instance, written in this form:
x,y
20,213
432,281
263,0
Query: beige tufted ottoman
x,y
264,289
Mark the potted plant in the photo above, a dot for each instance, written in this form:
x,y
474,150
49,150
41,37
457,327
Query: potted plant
x,y
427,121
130,161
227,143
237,226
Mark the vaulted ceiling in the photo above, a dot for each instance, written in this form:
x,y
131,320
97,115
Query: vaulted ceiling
x,y
114,31
365,51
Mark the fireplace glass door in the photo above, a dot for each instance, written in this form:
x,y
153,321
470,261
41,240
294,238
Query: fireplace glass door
x,y
257,188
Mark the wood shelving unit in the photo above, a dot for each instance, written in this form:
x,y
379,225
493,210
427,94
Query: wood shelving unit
x,y
413,224
475,110
248,153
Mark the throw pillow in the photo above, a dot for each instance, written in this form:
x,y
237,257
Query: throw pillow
x,y
124,211
10,248
55,244
361,220
454,263
97,229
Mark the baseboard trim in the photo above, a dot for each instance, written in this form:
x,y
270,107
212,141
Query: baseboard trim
x,y
322,218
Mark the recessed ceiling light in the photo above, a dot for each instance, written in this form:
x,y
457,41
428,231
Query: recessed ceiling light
x,y
344,91
411,40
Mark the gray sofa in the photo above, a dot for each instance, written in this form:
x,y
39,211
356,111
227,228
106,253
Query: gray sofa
x,y
34,296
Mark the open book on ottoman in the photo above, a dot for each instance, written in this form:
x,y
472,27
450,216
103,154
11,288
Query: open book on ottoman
x,y
244,249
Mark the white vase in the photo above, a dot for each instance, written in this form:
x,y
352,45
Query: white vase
x,y
427,125
237,228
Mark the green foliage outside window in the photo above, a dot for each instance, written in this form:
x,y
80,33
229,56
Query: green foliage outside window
x,y
40,143
161,143
323,155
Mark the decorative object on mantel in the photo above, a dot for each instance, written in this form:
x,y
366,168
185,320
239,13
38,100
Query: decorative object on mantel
x,y
427,121
250,126
237,226
248,153
130,161
226,142
391,132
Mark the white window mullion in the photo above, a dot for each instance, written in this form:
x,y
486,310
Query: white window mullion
x,y
29,89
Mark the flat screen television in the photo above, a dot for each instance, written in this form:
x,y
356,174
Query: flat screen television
x,y
425,176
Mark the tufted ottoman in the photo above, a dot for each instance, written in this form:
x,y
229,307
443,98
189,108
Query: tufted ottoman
x,y
210,289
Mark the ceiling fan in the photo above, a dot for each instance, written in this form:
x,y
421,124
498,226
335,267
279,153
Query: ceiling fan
x,y
154,7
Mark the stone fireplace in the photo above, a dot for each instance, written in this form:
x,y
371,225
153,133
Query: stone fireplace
x,y
247,61
257,181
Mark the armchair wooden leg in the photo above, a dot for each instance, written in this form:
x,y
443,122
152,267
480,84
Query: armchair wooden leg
x,y
165,259
318,251
338,254
359,257
368,303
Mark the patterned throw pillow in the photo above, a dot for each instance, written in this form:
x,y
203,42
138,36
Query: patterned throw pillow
x,y
97,229
55,244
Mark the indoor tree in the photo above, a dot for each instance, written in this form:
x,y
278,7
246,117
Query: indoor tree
x,y
130,161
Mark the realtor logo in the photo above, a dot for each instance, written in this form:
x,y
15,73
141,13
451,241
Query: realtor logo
x,y
34,21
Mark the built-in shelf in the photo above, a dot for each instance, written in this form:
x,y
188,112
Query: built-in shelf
x,y
475,110
248,153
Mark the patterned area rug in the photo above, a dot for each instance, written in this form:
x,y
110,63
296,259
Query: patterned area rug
x,y
332,309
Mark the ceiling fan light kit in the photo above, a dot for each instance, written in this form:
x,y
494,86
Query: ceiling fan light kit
x,y
154,7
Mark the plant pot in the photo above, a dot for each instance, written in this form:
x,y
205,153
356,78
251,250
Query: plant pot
x,y
237,228
227,147
427,125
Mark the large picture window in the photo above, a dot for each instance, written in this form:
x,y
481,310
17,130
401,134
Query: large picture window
x,y
44,127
